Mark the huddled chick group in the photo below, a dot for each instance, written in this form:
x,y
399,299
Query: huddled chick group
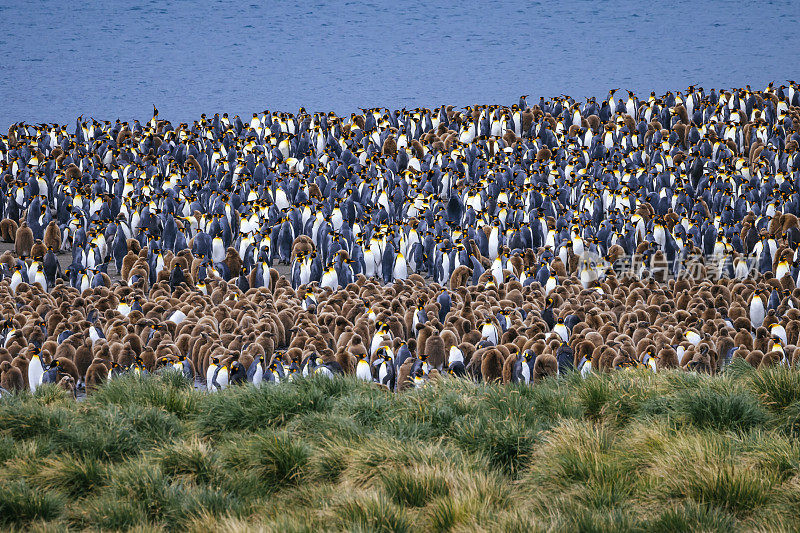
x,y
398,335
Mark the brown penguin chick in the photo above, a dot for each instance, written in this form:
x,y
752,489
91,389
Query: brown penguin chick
x,y
127,265
424,332
11,377
762,339
133,246
233,262
544,154
603,358
701,359
667,358
65,350
754,358
459,277
23,240
469,334
509,137
417,149
527,118
191,162
594,123
743,338
389,145
72,172
680,111
83,358
492,366
450,339
67,383
96,374
347,362
36,335
508,367
356,347
771,358
148,356
38,250
544,366
302,245
435,350
8,230
404,380
124,134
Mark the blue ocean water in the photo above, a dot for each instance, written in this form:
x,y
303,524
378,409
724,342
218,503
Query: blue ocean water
x,y
114,59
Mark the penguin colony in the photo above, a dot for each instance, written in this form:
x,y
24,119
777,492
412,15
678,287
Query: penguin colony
x,y
491,243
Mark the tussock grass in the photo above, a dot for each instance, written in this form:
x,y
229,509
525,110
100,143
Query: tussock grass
x,y
168,391
414,487
779,387
108,512
110,432
628,451
506,443
20,503
250,409
52,394
373,514
275,459
729,410
195,460
25,419
691,516
72,475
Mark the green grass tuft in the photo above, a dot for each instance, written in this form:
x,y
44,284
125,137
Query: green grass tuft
x,y
373,514
193,460
108,512
249,408
20,503
729,410
413,487
276,460
779,387
170,391
507,443
72,475
692,516
25,418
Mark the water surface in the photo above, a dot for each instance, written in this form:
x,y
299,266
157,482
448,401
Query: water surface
x,y
111,59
